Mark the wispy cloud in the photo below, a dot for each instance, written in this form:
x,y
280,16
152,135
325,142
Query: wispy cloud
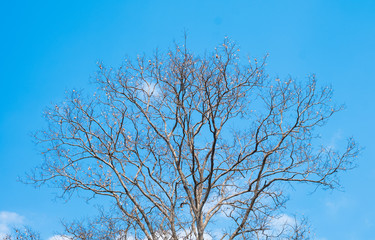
x,y
59,237
9,219
279,223
337,204
335,140
151,89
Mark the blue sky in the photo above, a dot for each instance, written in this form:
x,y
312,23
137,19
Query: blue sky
x,y
47,47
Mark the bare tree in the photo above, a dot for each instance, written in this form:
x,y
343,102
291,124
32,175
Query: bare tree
x,y
22,233
182,143
108,225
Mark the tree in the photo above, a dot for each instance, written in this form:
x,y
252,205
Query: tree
x,y
22,233
181,143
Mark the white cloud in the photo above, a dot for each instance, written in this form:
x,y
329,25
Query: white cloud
x,y
59,237
180,234
335,205
7,220
283,220
206,236
335,140
279,225
151,89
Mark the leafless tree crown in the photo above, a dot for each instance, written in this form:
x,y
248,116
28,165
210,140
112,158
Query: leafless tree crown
x,y
21,233
189,147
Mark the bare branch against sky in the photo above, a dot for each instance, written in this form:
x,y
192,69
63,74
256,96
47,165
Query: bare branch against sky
x,y
188,146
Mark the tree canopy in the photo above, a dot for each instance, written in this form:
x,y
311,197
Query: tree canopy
x,y
192,146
